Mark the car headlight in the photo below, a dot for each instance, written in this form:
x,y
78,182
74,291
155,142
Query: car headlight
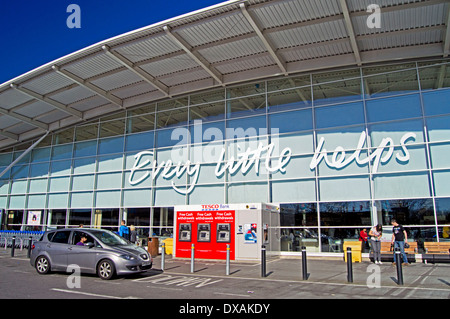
x,y
127,257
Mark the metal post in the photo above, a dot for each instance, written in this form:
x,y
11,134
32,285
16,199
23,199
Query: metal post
x,y
163,255
304,264
263,261
192,257
227,270
349,265
30,243
399,266
13,246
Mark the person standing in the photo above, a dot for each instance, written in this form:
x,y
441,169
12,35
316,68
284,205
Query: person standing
x,y
124,231
363,237
375,234
399,238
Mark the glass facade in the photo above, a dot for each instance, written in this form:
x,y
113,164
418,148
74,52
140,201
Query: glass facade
x,y
339,150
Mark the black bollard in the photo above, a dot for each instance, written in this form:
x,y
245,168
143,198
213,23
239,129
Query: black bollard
x,y
263,261
30,244
304,264
13,246
399,267
349,265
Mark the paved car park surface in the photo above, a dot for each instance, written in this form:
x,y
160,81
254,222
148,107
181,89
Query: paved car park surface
x,y
327,279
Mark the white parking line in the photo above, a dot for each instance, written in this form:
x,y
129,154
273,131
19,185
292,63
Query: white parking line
x,y
91,294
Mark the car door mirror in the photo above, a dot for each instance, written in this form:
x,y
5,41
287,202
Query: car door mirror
x,y
90,245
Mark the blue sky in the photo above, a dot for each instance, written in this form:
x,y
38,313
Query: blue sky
x,y
35,32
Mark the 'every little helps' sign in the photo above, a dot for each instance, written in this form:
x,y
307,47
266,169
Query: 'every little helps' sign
x,y
265,159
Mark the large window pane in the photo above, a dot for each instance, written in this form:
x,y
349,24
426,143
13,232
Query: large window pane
x,y
290,121
141,141
246,106
390,83
207,112
435,76
79,216
87,132
289,99
293,190
247,127
395,131
443,212
62,152
401,185
344,188
298,214
441,183
394,108
85,149
171,118
336,92
57,217
110,145
110,162
247,192
138,216
345,214
406,211
438,128
339,115
436,102
141,123
112,128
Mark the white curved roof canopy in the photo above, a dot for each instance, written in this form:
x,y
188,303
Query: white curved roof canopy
x,y
231,42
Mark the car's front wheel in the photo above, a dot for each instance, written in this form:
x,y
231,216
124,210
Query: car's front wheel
x,y
106,269
42,265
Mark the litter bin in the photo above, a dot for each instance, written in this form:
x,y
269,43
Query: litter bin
x,y
356,250
153,246
169,245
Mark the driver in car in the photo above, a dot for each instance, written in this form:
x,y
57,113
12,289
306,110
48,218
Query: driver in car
x,y
82,240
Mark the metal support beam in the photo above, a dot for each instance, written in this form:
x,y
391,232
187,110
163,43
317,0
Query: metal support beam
x,y
24,119
48,101
23,154
136,70
91,87
194,55
269,47
447,36
9,135
350,30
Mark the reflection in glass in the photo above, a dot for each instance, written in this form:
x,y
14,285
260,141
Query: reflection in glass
x,y
443,211
79,216
345,213
406,211
293,239
298,214
246,106
289,99
390,83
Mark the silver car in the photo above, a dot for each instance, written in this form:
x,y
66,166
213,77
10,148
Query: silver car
x,y
95,251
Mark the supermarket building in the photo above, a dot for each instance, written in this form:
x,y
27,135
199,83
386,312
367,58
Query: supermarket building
x,y
301,104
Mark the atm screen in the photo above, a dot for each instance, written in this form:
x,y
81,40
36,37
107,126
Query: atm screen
x,y
204,231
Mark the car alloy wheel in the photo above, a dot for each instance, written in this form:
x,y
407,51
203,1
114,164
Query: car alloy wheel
x,y
42,265
106,269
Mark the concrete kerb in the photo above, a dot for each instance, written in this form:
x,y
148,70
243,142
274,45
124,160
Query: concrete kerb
x,y
321,270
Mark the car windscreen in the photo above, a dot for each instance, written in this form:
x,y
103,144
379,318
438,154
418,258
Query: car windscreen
x,y
109,238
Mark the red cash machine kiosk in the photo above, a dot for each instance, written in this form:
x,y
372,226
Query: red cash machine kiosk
x,y
211,227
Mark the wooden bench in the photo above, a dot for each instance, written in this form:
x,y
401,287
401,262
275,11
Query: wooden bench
x,y
437,248
436,252
387,251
